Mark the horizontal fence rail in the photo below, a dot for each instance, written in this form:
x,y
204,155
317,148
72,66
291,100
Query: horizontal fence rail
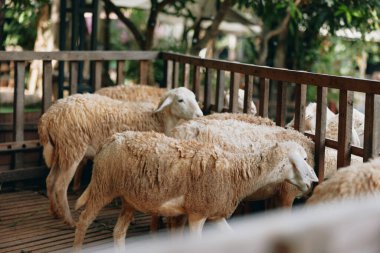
x,y
201,75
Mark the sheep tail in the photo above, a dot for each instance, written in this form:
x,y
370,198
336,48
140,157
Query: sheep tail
x,y
83,198
48,151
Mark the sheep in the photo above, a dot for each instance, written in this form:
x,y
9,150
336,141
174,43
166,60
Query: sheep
x,y
355,181
237,136
134,93
74,128
240,108
157,174
130,93
358,125
332,124
233,135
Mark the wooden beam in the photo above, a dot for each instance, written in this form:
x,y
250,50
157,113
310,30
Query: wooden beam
x,y
186,75
207,92
369,127
144,72
234,92
281,104
175,74
120,72
47,85
18,111
345,128
320,133
196,82
98,75
169,74
23,174
264,97
219,98
300,106
248,93
73,78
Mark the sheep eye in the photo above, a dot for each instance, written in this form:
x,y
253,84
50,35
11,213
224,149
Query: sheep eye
x,y
180,100
305,158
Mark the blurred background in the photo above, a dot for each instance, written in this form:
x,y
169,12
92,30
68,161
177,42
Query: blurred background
x,y
323,36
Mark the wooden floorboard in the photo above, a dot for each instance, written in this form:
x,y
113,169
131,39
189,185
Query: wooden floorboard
x,y
27,226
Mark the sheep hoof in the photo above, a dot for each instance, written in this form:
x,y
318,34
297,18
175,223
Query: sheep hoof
x,y
56,214
70,223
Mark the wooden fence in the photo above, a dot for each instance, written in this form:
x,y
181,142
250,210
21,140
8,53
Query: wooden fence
x,y
191,77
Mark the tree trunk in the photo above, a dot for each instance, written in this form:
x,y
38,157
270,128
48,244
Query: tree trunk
x,y
2,21
280,56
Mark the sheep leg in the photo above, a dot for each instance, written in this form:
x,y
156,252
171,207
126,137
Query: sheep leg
x,y
86,218
154,223
196,223
176,224
79,174
50,180
122,225
62,184
223,225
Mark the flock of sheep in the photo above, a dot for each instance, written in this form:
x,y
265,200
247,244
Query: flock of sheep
x,y
155,150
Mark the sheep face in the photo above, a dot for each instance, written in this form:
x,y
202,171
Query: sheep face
x,y
241,95
300,173
182,104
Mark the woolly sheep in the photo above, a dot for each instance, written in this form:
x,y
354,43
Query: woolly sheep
x,y
134,93
332,122
128,93
354,181
157,174
240,108
236,136
76,126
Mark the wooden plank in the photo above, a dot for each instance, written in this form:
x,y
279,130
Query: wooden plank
x,y
196,82
79,55
47,85
320,133
369,127
22,174
248,93
186,76
98,75
219,97
73,78
281,104
144,72
18,111
234,92
334,144
120,72
6,147
300,105
207,92
169,74
264,97
345,128
280,74
175,74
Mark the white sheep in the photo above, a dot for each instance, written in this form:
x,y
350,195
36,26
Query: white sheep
x,y
128,93
355,181
157,174
247,133
332,124
240,108
134,93
76,126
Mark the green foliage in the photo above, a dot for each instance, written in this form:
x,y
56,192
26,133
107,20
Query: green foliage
x,y
20,24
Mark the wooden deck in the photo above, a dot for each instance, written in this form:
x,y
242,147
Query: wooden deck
x,y
27,226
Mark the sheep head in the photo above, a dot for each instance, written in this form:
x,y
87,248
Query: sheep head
x,y
299,172
181,103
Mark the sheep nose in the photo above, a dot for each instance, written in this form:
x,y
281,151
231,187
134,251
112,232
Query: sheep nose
x,y
198,114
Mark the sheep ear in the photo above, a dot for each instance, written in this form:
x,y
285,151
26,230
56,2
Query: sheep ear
x,y
303,167
164,103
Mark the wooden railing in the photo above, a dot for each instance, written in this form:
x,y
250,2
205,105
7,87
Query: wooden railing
x,y
19,145
191,77
283,77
